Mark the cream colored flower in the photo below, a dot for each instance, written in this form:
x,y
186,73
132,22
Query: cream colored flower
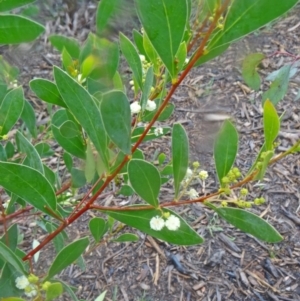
x,y
158,131
151,105
142,58
135,107
193,194
31,290
21,282
203,174
172,223
157,223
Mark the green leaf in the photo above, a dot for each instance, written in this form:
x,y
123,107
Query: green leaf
x,y
147,88
67,256
58,240
75,145
54,290
263,164
7,282
180,155
101,297
83,107
138,39
11,4
3,156
12,241
89,164
145,180
250,75
116,116
106,57
181,56
12,234
225,149
151,53
67,61
7,255
164,115
9,149
68,161
249,223
126,190
140,220
44,150
28,184
69,290
12,299
28,116
118,83
164,22
69,129
78,177
47,91
279,86
8,74
50,175
3,89
271,124
98,227
212,54
105,10
32,157
16,29
161,158
70,44
11,109
137,132
126,237
243,18
132,58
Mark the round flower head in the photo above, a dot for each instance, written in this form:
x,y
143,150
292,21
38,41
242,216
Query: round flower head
x,y
172,223
142,58
22,282
203,174
151,105
158,131
31,290
135,107
157,223
193,194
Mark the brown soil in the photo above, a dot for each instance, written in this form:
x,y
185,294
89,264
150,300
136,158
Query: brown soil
x,y
229,265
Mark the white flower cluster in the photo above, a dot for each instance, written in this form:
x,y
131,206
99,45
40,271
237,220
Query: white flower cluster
x,y
158,131
23,283
151,105
135,107
172,223
203,175
193,194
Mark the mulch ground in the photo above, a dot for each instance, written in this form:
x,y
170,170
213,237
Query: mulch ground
x,y
229,265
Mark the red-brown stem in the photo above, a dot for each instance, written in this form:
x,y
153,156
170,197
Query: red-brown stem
x,y
197,55
65,187
88,205
17,213
197,36
86,196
